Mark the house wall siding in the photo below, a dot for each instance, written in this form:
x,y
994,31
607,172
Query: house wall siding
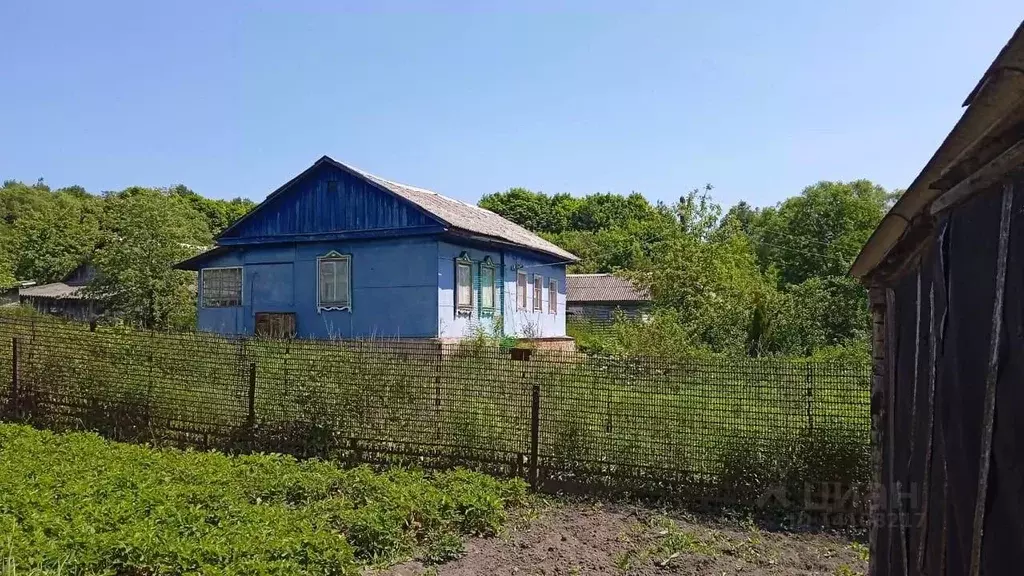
x,y
518,323
450,322
329,200
394,289
529,323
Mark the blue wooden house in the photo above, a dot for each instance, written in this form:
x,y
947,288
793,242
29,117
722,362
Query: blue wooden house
x,y
340,253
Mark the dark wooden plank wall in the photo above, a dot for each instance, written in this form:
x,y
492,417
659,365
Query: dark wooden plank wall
x,y
948,393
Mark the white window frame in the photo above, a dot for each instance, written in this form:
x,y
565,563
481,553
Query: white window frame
x,y
522,303
538,290
487,264
460,306
552,295
334,256
202,286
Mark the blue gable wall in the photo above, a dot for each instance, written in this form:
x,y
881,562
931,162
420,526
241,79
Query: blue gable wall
x,y
329,200
394,289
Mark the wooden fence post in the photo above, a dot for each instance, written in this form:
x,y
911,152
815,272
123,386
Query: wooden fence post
x,y
534,437
810,396
15,400
250,421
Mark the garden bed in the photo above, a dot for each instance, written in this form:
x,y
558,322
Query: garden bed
x,y
77,504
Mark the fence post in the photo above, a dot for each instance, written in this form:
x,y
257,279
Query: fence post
x,y
250,421
15,399
810,396
534,437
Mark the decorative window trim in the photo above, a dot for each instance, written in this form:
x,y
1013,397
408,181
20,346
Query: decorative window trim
x,y
488,264
521,280
538,290
552,295
463,261
202,287
334,255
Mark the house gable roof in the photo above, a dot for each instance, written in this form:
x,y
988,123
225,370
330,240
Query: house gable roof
x,y
453,215
582,288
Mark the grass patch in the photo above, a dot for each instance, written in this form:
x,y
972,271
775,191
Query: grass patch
x,y
77,504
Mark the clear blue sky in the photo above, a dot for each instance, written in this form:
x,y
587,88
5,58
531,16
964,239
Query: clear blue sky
x,y
232,99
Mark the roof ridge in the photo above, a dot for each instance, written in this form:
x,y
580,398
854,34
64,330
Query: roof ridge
x,y
448,211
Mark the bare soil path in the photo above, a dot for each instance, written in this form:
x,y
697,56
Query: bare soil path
x,y
579,539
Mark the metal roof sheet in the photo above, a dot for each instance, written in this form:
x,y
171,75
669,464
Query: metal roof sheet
x,y
56,290
602,288
465,216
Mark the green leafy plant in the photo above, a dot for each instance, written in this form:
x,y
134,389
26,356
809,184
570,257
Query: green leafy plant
x,y
75,503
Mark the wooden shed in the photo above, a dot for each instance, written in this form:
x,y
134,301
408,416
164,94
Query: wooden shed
x,y
945,270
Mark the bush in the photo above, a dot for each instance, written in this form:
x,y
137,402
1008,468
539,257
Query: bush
x,y
76,503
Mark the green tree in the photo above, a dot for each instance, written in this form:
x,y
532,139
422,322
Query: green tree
x,y
219,214
707,274
743,215
145,232
819,232
531,210
54,241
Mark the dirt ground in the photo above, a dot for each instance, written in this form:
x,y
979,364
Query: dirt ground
x,y
579,539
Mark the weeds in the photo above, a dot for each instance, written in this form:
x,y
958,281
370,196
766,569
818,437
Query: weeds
x,y
709,429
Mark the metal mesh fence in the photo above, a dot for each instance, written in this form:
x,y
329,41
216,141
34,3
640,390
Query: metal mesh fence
x,y
724,430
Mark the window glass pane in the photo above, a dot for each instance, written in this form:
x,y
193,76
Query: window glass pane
x,y
222,287
326,281
537,280
342,277
464,296
487,287
553,297
334,281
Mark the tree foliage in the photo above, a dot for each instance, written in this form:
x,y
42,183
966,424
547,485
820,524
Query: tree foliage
x,y
132,237
769,281
747,280
145,232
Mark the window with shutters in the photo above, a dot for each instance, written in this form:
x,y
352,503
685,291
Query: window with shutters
x,y
538,292
521,290
222,287
334,285
488,297
464,284
553,296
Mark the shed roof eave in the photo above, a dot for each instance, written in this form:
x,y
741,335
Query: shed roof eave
x,y
996,96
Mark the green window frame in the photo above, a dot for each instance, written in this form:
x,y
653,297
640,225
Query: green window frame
x,y
463,284
488,295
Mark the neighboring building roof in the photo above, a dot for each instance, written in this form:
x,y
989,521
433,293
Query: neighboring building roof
x,y
70,287
456,215
56,290
992,107
602,288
